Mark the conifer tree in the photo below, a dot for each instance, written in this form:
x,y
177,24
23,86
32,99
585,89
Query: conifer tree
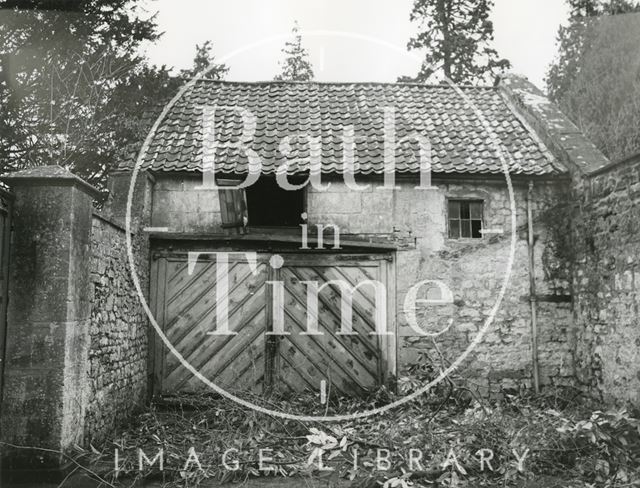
x,y
296,65
203,59
457,36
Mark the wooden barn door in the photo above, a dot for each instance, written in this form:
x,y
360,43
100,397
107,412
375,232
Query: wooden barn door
x,y
348,364
185,308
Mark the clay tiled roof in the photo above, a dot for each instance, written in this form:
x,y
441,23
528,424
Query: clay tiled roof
x,y
460,143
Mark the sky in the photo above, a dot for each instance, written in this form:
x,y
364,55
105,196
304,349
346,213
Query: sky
x,y
347,40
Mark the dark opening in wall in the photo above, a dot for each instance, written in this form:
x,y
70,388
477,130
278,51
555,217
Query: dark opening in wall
x,y
269,205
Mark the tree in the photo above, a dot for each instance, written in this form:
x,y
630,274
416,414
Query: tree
x,y
73,89
594,78
71,82
296,65
457,36
575,40
203,59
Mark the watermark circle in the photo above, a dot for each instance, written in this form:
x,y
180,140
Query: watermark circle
x,y
499,152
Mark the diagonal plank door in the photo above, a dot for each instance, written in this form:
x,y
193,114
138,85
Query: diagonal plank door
x,y
186,311
185,308
349,364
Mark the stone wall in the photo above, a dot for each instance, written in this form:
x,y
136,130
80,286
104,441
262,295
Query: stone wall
x,y
179,205
607,283
604,231
474,269
118,334
76,337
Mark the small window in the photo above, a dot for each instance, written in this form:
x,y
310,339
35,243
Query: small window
x,y
465,219
269,205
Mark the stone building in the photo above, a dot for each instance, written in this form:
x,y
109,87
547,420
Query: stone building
x,y
456,237
511,256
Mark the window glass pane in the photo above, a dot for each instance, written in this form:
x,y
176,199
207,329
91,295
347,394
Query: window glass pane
x,y
475,209
464,210
465,219
454,229
476,226
454,209
465,228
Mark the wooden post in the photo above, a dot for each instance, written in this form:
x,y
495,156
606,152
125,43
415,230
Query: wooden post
x,y
532,293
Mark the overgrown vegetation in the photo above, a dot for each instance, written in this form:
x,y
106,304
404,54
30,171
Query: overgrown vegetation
x,y
594,78
445,438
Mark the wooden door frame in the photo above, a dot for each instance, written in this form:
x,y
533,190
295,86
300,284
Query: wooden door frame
x,y
390,349
157,305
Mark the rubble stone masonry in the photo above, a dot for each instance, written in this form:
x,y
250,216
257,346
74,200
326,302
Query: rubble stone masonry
x,y
118,334
76,352
606,282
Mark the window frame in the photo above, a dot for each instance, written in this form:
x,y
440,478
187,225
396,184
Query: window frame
x,y
468,200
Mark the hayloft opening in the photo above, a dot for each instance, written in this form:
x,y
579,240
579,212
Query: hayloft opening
x,y
269,205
